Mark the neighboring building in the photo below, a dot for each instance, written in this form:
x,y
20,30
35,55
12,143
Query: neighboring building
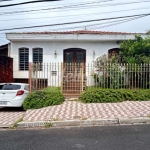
x,y
56,47
4,50
6,64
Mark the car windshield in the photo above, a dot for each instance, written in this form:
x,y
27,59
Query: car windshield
x,y
11,87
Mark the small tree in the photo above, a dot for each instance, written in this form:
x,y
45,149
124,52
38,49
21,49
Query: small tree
x,y
108,72
136,51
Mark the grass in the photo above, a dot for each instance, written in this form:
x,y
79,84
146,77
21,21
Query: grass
x,y
15,124
84,118
48,124
52,89
55,119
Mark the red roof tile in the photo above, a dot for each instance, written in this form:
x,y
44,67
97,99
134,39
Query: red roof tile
x,y
75,32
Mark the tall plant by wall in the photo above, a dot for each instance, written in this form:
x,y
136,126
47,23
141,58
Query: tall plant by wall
x,y
108,73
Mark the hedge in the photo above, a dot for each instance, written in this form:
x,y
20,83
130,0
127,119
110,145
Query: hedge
x,y
47,97
97,95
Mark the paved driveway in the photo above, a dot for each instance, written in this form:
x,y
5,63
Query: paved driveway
x,y
8,116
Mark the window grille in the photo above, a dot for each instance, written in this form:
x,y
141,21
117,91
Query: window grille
x,y
23,59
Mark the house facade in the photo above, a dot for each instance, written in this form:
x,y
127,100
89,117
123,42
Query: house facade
x,y
61,47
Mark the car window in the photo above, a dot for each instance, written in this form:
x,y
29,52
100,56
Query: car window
x,y
1,86
26,87
32,88
11,87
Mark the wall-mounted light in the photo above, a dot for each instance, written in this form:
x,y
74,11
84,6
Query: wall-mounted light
x,y
118,42
55,54
93,54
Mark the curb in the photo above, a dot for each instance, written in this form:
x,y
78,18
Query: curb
x,y
140,120
79,123
5,126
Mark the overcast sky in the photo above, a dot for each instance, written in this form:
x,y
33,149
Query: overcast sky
x,y
71,11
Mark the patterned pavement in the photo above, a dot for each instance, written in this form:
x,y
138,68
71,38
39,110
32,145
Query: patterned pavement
x,y
70,110
8,116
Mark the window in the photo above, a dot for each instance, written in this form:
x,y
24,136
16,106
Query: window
x,y
23,59
11,87
26,87
113,52
38,57
1,86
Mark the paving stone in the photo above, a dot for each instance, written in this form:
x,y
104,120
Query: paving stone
x,y
73,110
69,109
8,118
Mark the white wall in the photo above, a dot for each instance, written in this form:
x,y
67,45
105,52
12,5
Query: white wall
x,y
49,48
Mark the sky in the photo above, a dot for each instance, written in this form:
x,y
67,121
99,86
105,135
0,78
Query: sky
x,y
66,11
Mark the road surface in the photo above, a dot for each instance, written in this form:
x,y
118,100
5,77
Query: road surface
x,y
133,137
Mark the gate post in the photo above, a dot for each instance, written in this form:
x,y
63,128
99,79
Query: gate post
x,y
30,77
61,80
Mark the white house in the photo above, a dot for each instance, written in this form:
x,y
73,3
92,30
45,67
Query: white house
x,y
56,47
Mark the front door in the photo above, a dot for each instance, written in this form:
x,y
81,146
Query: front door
x,y
74,59
74,70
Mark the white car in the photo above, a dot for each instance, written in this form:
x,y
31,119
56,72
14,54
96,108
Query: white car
x,y
13,94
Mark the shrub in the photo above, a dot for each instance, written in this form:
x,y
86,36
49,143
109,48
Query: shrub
x,y
97,95
47,97
108,73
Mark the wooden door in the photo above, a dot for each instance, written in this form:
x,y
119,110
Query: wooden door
x,y
74,59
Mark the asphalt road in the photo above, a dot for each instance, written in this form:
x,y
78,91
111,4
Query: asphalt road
x,y
135,137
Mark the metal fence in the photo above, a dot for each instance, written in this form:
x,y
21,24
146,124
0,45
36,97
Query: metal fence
x,y
116,76
44,75
74,78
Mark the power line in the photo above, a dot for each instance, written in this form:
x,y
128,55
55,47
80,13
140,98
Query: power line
x,y
71,6
65,4
23,3
76,22
60,7
116,22
7,9
68,16
99,23
3,40
119,22
72,16
110,23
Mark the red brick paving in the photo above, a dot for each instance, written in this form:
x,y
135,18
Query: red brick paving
x,y
71,109
8,118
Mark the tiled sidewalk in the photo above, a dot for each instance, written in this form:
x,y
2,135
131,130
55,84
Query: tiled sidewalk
x,y
9,117
70,110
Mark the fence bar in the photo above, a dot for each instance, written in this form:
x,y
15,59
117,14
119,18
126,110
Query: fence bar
x,y
72,76
30,77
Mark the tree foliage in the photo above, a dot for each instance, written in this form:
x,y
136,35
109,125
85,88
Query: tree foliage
x,y
136,51
108,72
